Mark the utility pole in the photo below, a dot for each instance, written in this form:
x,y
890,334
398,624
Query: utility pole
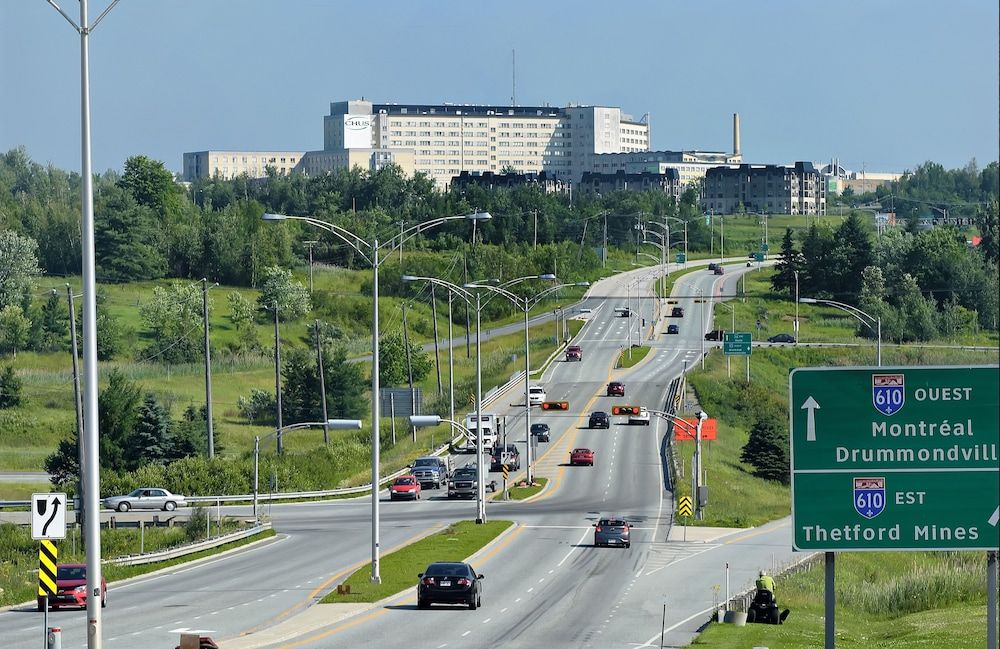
x,y
409,371
277,378
437,355
77,403
208,370
604,248
310,244
322,384
534,243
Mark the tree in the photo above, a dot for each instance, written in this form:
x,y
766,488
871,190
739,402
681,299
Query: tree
x,y
392,361
18,267
174,317
190,434
14,329
816,247
52,325
117,416
988,224
789,262
850,254
278,287
127,239
151,440
10,388
345,385
917,314
243,313
150,183
64,464
767,449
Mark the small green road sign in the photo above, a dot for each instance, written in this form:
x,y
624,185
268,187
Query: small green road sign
x,y
758,256
736,343
681,258
763,247
895,458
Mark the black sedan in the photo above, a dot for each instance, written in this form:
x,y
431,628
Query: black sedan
x,y
450,583
781,338
540,431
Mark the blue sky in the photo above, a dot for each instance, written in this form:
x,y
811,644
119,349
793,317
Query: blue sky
x,y
884,83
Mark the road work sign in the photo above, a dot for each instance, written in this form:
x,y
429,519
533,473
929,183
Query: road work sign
x,y
895,458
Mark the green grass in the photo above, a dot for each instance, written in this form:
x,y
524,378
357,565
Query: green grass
x,y
399,569
884,600
22,490
19,569
520,493
630,357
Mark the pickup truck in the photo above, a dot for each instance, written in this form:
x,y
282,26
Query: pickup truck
x,y
715,334
574,353
463,483
432,470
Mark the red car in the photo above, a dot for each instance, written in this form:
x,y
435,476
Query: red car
x,y
616,389
405,486
71,587
581,456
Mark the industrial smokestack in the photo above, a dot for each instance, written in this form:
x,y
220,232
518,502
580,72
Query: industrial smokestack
x,y
736,134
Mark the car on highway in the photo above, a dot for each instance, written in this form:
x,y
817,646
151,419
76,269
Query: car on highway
x,y
432,470
509,455
581,456
677,312
623,311
640,418
612,531
719,270
71,587
405,487
673,329
450,583
146,498
586,310
574,353
536,395
713,265
715,334
465,481
616,389
599,419
781,338
540,432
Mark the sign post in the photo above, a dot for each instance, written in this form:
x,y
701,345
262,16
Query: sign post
x,y
738,343
895,458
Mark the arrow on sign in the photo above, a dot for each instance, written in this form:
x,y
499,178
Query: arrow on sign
x,y
995,518
810,406
55,510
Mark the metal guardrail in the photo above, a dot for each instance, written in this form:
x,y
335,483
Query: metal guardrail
x,y
191,548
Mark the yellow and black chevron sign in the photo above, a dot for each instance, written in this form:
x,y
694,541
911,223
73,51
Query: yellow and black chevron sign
x,y
48,557
684,506
506,471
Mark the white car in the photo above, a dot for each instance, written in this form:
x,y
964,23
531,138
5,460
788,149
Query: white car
x,y
639,419
536,395
146,498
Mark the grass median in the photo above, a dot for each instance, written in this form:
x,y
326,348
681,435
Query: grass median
x,y
518,492
399,569
630,358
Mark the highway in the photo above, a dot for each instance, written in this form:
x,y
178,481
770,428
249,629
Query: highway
x,y
546,584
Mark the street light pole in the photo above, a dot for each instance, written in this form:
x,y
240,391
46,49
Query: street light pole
x,y
796,307
208,370
277,379
874,323
480,483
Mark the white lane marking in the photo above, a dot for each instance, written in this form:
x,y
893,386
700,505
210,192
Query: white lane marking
x,y
517,600
649,643
503,610
441,646
487,620
541,580
531,589
466,633
558,565
551,571
681,559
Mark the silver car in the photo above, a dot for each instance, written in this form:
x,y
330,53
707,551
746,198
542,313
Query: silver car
x,y
146,498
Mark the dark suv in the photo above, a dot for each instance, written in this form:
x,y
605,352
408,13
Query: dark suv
x,y
540,432
509,455
599,419
677,312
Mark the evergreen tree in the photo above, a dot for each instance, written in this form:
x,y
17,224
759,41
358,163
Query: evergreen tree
x,y
127,239
815,255
64,464
789,262
53,326
151,440
10,388
767,449
851,253
118,413
190,434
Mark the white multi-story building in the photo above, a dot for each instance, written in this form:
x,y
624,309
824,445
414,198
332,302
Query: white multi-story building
x,y
232,164
444,140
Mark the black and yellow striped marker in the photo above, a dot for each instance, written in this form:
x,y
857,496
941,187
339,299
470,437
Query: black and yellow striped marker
x,y
48,557
506,471
684,506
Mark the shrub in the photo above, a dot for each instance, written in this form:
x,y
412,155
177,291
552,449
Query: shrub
x,y
194,529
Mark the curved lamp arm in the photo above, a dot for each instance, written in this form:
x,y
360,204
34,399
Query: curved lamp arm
x,y
360,245
454,288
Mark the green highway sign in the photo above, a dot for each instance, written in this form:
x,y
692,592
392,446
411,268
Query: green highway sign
x,y
895,458
736,343
681,258
763,247
758,256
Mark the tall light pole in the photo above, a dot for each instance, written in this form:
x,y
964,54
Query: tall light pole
x,y
369,251
526,303
729,358
91,466
208,368
874,323
796,307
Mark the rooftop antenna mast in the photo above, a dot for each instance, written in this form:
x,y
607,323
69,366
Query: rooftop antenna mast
x,y
513,77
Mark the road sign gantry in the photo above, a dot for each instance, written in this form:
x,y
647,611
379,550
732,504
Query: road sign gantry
x,y
895,458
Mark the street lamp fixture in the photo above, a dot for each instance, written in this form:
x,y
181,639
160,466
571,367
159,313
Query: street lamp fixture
x,y
874,323
371,253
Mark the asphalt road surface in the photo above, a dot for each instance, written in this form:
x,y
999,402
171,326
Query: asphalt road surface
x,y
546,585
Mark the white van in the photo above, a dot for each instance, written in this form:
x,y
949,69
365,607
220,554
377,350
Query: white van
x,y
487,428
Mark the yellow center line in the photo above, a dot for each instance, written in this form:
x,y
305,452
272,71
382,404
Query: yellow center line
x,y
336,629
